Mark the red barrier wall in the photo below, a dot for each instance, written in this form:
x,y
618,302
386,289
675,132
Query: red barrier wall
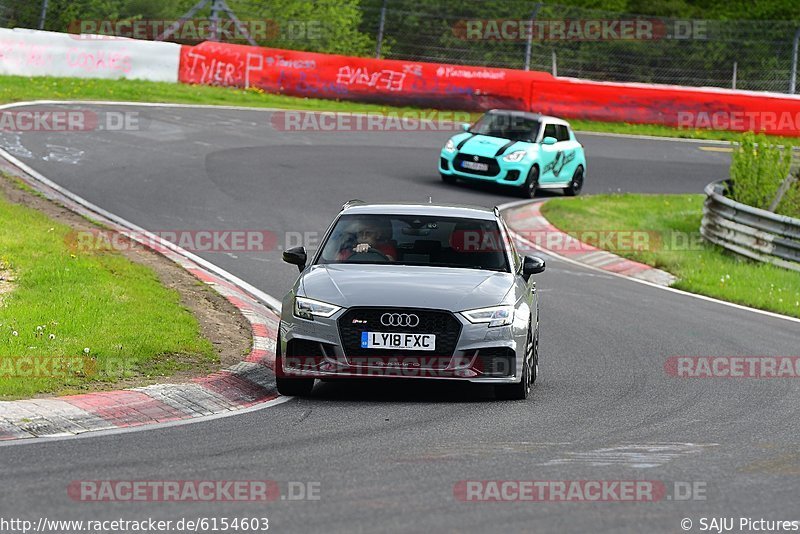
x,y
478,88
362,79
684,107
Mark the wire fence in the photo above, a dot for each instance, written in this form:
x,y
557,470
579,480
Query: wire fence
x,y
589,43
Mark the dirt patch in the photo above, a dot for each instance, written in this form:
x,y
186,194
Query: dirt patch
x,y
6,281
220,322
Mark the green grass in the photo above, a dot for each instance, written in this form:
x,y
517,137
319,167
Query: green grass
x,y
675,246
64,301
19,88
658,130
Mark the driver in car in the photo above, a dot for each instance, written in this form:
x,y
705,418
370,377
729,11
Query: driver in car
x,y
371,236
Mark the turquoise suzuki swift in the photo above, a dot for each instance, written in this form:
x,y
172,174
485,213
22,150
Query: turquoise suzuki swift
x,y
516,148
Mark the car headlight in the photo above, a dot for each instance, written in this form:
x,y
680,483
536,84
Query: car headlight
x,y
495,316
517,155
450,146
306,308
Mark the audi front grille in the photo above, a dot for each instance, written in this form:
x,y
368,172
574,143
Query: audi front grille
x,y
439,322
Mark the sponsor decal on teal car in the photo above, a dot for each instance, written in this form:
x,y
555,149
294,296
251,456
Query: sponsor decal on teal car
x,y
562,159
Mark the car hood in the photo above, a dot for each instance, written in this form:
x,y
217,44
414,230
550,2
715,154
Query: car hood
x,y
487,146
451,289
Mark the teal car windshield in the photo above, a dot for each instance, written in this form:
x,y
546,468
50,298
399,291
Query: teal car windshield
x,y
511,127
417,240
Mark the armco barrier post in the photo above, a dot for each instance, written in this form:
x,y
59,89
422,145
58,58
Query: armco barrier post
x,y
791,177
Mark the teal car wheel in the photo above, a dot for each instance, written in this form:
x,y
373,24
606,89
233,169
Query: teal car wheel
x,y
576,184
448,178
528,189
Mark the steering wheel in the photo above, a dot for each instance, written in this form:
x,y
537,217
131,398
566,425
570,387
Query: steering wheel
x,y
371,252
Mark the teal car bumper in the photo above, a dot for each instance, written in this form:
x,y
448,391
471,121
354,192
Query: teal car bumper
x,y
499,171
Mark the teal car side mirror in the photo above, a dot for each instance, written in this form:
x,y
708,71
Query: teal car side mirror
x,y
549,141
465,126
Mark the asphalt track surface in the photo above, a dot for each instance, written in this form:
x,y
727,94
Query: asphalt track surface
x,y
387,456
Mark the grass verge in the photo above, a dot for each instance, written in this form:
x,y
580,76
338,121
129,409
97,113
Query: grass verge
x,y
74,319
673,244
20,88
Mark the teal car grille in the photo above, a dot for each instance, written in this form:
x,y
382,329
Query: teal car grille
x,y
492,167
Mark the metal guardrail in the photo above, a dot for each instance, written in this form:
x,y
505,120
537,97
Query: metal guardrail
x,y
752,232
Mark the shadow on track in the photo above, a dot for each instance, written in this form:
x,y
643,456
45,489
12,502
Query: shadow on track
x,y
402,390
496,189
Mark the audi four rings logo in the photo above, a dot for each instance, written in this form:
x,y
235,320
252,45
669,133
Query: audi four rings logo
x,y
399,319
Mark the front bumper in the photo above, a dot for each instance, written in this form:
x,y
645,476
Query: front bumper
x,y
314,349
509,173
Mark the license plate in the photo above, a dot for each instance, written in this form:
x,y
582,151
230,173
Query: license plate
x,y
475,166
398,340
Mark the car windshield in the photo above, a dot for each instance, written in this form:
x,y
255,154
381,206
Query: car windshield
x,y
512,127
416,240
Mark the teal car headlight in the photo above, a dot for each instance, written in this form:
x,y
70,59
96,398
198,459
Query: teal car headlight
x,y
515,156
450,146
306,308
495,316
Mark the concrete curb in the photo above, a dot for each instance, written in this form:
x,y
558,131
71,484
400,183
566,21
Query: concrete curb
x,y
243,385
530,225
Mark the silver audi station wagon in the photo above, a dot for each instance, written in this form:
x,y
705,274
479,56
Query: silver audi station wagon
x,y
412,291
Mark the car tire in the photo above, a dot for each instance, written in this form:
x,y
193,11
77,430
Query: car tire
x,y
535,369
290,387
522,389
294,387
448,178
575,186
528,189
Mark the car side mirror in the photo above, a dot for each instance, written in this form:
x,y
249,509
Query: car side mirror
x,y
465,126
532,265
296,256
549,141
